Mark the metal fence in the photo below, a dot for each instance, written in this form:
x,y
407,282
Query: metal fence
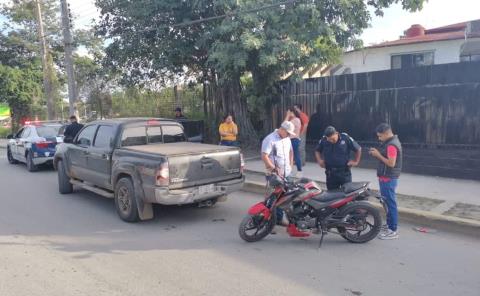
x,y
435,110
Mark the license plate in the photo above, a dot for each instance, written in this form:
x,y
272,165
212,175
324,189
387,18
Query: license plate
x,y
206,189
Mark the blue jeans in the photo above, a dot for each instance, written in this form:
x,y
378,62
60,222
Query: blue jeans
x,y
387,189
229,143
296,153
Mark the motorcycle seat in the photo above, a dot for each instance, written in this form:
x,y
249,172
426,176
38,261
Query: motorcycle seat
x,y
353,186
328,196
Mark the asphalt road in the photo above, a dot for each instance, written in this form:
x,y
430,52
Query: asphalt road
x,y
76,245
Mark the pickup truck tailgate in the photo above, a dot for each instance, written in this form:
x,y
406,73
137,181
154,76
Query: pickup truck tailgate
x,y
192,164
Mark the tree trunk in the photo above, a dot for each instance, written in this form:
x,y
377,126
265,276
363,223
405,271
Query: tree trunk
x,y
177,97
100,106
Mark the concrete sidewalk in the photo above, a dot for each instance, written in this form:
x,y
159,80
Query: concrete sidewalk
x,y
450,197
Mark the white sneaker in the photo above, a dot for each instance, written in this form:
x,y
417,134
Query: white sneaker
x,y
383,228
389,234
299,175
284,221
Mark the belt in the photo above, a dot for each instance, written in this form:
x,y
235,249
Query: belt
x,y
339,169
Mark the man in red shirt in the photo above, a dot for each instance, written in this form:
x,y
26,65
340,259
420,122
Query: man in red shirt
x,y
390,157
303,130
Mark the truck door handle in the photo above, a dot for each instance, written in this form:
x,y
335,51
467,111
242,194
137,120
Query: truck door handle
x,y
86,153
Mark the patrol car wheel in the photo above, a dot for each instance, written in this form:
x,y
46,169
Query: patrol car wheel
x,y
31,167
10,158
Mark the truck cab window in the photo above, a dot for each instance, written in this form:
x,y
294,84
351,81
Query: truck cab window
x,y
154,134
134,136
104,136
173,134
85,138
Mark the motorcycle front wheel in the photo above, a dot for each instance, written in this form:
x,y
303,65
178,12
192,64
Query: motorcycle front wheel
x,y
255,227
364,222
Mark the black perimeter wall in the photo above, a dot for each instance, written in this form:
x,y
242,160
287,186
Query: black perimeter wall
x,y
435,111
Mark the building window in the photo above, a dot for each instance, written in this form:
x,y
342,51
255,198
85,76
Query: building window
x,y
411,60
470,58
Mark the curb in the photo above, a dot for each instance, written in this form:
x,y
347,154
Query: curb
x,y
448,223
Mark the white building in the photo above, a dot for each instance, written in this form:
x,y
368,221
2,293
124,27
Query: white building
x,y
418,47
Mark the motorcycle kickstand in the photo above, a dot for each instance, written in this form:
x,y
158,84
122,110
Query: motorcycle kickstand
x,y
322,235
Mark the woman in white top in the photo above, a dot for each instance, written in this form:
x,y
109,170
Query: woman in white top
x,y
294,117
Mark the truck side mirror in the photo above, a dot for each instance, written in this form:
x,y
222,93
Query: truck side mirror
x,y
10,136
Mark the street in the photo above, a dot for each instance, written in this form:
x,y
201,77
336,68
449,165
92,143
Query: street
x,y
52,244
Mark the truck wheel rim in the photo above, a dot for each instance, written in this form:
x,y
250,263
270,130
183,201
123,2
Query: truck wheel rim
x,y
123,200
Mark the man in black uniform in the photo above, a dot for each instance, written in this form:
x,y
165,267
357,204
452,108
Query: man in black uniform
x,y
333,154
72,129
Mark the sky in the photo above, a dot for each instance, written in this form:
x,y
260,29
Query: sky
x,y
395,21
436,13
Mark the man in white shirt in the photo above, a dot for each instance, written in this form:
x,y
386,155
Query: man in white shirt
x,y
277,152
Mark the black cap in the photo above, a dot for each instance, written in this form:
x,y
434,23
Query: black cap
x,y
329,131
178,109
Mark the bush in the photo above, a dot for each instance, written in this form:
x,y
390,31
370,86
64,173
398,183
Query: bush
x,y
4,132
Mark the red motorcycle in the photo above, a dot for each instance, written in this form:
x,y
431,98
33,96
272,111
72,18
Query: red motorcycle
x,y
309,210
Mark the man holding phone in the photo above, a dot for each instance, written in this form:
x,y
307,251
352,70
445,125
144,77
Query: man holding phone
x,y
389,157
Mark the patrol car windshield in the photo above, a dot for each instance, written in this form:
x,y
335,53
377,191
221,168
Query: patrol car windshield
x,y
46,131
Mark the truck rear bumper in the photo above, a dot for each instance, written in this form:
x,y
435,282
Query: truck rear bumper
x,y
191,195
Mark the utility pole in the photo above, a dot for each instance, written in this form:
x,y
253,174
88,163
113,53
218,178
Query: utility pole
x,y
47,69
68,43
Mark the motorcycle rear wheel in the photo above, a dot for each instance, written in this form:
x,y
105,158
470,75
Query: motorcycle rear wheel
x,y
361,215
258,226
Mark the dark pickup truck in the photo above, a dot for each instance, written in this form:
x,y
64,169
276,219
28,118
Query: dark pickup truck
x,y
139,162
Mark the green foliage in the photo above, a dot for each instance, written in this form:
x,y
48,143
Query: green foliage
x,y
148,42
141,102
4,132
20,46
18,87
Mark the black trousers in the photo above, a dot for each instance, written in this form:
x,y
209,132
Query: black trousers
x,y
336,177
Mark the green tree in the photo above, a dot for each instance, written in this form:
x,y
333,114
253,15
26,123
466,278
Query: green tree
x,y
18,87
21,29
219,41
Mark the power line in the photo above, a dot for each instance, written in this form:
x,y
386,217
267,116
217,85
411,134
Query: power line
x,y
233,13
208,19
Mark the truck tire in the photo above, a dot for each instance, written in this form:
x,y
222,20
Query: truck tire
x,y
31,167
64,185
125,201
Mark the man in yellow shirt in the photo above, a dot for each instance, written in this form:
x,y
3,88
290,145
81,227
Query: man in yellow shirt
x,y
228,131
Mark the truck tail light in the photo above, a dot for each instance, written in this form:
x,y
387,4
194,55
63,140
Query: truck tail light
x,y
242,163
162,177
42,145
